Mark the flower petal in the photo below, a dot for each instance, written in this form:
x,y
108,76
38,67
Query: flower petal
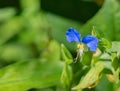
x,y
91,42
72,35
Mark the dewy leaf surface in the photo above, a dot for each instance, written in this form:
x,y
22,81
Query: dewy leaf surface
x,y
106,21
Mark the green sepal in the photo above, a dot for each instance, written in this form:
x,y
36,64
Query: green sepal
x,y
66,55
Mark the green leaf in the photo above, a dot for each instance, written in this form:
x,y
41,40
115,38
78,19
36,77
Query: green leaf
x,y
117,87
87,58
116,63
36,31
104,44
107,67
43,89
30,74
52,51
94,32
66,76
30,6
115,47
91,78
106,21
66,55
7,13
104,85
13,52
9,29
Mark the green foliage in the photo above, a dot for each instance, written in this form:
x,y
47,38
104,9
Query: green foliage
x,y
31,58
13,52
106,21
115,47
104,44
30,74
52,52
91,77
66,76
14,25
104,85
6,13
66,55
87,58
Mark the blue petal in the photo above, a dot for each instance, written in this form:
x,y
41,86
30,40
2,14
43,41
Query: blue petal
x,y
91,42
72,35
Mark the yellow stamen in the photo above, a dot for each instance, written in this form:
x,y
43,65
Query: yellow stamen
x,y
80,46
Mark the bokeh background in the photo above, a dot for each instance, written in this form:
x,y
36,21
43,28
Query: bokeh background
x,y
32,31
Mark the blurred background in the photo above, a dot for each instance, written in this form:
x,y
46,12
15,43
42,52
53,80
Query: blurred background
x,y
79,10
31,32
26,27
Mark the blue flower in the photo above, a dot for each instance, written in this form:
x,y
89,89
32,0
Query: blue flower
x,y
90,41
